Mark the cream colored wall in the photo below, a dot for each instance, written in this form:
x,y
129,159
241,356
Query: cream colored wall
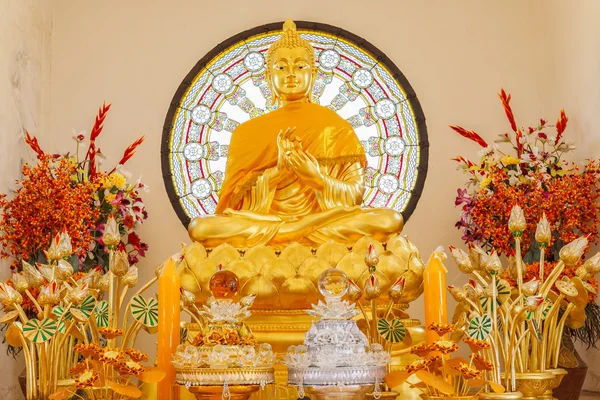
x,y
573,66
25,28
134,54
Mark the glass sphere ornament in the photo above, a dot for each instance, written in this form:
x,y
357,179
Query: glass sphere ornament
x,y
224,284
333,283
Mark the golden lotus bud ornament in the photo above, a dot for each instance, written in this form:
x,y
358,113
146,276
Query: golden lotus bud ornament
x,y
371,258
516,222
103,283
397,289
188,298
590,268
32,275
111,236
130,279
65,249
9,296
77,295
462,260
64,270
571,253
543,233
119,263
372,288
354,293
20,282
49,295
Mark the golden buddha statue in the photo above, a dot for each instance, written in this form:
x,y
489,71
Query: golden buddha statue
x,y
295,174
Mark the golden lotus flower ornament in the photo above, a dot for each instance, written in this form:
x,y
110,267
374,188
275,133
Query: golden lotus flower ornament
x,y
543,233
130,279
572,252
462,260
20,282
111,236
119,263
33,276
9,296
517,222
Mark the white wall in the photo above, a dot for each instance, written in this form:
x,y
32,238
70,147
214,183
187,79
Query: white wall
x,y
25,36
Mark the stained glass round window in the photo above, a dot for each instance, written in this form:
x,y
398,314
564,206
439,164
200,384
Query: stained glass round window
x,y
355,79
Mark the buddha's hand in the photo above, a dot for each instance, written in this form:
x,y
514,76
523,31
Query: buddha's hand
x,y
306,167
284,145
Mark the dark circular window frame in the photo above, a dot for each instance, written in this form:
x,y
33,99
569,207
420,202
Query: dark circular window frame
x,y
377,54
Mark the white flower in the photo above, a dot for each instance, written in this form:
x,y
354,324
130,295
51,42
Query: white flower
x,y
486,151
123,172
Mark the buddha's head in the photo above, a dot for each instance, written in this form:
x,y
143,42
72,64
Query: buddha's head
x,y
291,70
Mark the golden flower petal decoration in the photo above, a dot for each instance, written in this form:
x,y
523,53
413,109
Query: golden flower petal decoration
x,y
435,363
543,234
418,365
468,372
77,295
20,282
476,345
92,277
397,289
422,349
462,260
119,263
64,270
435,381
372,288
354,292
475,255
441,329
493,264
473,290
459,294
65,249
136,355
88,378
187,298
103,283
130,279
46,271
129,390
9,296
371,258
110,356
33,276
110,333
54,253
158,270
590,268
152,375
49,295
481,363
130,368
78,368
396,378
531,287
516,222
445,346
111,236
571,253
532,303
88,350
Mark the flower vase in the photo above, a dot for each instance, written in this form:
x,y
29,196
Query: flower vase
x,y
535,385
571,385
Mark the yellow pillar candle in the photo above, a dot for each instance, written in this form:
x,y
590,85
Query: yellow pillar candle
x,y
168,326
434,283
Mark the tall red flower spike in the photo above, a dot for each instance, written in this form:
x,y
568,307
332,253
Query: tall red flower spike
x,y
33,143
505,98
561,125
469,135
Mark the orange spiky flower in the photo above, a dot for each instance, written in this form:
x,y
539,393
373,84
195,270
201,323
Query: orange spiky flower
x,y
469,135
129,152
561,125
33,143
505,98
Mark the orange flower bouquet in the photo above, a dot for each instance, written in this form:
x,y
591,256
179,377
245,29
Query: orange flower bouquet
x,y
65,193
530,171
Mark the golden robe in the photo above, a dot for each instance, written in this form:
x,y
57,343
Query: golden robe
x,y
258,206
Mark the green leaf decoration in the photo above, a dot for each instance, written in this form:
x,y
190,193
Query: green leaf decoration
x,y
62,327
393,331
59,311
39,331
87,306
544,309
101,314
480,327
503,290
145,312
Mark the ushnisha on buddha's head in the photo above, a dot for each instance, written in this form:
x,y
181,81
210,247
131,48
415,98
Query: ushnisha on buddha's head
x,y
291,68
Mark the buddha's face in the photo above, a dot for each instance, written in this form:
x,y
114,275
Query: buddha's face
x,y
291,74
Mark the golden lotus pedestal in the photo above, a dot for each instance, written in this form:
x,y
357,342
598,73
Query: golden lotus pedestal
x,y
216,392
539,385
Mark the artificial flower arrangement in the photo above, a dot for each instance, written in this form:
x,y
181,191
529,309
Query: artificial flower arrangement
x,y
75,331
444,375
524,322
531,171
69,193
